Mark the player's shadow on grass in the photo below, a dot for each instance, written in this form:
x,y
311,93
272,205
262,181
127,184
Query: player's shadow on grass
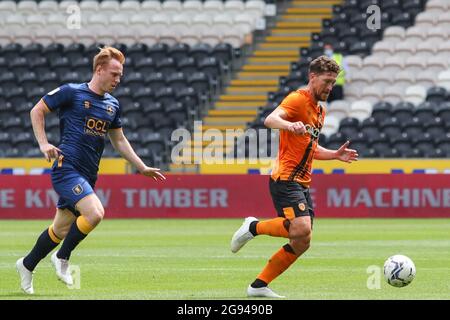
x,y
17,294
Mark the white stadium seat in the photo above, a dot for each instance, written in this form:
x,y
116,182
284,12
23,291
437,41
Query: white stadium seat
x,y
109,7
234,7
130,7
47,7
372,64
394,34
212,7
89,6
371,94
382,79
393,64
27,7
416,33
437,5
444,79
405,49
427,19
415,94
393,94
330,126
383,48
150,6
361,109
426,79
192,7
415,64
338,109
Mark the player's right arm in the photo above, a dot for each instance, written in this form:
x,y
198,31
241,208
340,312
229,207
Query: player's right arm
x,y
37,115
278,120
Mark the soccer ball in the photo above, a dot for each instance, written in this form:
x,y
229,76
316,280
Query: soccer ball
x,y
399,270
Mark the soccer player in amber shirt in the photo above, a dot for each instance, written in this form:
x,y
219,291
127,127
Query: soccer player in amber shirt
x,y
300,118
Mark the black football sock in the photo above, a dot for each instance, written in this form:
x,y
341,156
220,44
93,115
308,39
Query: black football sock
x,y
46,242
258,283
78,231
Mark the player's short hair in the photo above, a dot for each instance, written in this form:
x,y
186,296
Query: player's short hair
x,y
324,64
106,54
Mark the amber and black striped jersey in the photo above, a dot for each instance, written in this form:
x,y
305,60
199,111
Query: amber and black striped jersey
x,y
296,152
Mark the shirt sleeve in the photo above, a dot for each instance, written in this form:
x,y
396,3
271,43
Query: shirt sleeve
x,y
58,98
292,104
117,122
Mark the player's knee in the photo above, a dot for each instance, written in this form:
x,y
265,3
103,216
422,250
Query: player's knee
x,y
299,231
98,214
61,232
95,216
300,245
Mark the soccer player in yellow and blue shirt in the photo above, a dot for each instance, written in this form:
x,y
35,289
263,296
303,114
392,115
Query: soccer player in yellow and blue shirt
x,y
88,113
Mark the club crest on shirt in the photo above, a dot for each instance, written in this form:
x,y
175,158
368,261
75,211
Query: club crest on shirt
x,y
301,206
110,110
78,189
86,104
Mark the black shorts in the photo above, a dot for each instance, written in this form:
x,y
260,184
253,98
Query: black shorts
x,y
291,199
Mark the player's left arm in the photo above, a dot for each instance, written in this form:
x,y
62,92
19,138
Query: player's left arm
x,y
122,145
343,153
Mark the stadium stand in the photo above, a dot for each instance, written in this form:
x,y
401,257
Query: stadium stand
x,y
230,63
397,82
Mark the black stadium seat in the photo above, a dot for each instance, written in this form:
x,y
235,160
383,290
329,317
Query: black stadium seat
x,y
137,51
413,127
158,51
18,65
143,96
7,81
176,80
166,66
391,126
32,51
187,65
145,65
74,51
178,51
200,51
436,94
349,127
155,81
403,111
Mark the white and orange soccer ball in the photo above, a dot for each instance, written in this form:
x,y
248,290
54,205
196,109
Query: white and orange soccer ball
x,y
399,270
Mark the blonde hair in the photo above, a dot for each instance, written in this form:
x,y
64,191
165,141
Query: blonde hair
x,y
106,54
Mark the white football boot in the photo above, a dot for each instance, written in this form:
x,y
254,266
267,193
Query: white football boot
x,y
62,269
265,292
242,235
26,277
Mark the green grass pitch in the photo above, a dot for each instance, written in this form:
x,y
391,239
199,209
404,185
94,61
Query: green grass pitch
x,y
191,259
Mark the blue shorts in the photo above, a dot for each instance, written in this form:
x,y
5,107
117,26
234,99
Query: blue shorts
x,y
71,186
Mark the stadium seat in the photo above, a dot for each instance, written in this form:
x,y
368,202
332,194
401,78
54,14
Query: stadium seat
x,y
436,94
415,64
391,126
145,65
338,109
394,34
383,48
444,79
443,111
349,127
330,126
360,109
372,94
143,96
413,127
